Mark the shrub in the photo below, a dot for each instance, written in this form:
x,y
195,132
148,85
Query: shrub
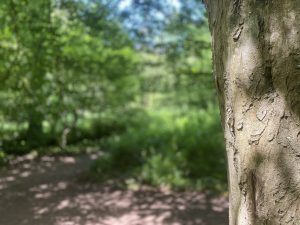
x,y
167,147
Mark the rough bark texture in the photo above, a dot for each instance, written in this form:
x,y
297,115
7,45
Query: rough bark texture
x,y
256,53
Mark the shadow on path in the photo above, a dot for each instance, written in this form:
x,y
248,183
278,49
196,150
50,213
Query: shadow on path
x,y
47,192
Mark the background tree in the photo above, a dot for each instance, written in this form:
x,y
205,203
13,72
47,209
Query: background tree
x,y
55,62
129,79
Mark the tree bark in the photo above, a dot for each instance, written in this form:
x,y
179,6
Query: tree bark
x,y
256,54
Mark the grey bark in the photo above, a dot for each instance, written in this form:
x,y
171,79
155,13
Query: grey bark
x,y
256,54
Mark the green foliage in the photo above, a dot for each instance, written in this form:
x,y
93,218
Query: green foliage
x,y
167,147
56,66
79,73
3,159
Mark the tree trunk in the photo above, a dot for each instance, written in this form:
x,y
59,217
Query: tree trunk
x,y
34,133
256,54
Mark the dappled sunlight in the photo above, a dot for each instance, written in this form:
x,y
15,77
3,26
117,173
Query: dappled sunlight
x,y
259,87
109,114
57,197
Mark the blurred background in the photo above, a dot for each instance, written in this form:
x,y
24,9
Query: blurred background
x,y
130,80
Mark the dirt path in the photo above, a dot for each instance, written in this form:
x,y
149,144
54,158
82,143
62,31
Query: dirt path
x,y
47,192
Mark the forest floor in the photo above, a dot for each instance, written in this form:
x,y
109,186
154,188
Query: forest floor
x,y
47,191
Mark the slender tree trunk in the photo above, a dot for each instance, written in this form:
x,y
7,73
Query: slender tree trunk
x,y
34,133
35,116
256,53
